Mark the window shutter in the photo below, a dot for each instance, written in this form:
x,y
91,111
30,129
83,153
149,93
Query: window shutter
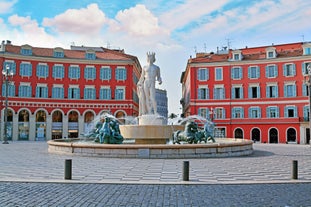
x,y
294,69
257,72
284,69
241,91
267,71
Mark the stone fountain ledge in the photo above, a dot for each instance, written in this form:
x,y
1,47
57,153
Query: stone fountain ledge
x,y
224,147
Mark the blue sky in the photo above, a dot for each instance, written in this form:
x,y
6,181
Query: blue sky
x,y
174,29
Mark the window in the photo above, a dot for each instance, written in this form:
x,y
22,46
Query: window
x,y
306,113
105,93
218,74
219,113
305,89
254,112
41,91
74,72
105,73
12,66
305,68
306,48
90,55
58,71
203,74
290,90
271,52
203,92
289,69
236,73
219,92
272,91
272,112
73,92
237,92
58,91
204,112
120,73
119,94
11,89
290,111
253,72
42,70
271,71
25,69
89,93
24,90
26,51
237,112
58,53
254,91
90,73
237,55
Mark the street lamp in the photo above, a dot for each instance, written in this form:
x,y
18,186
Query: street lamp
x,y
6,74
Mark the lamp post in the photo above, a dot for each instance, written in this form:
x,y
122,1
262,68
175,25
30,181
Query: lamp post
x,y
6,73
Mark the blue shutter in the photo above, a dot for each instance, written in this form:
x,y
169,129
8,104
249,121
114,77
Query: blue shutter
x,y
267,71
240,73
233,113
232,74
284,69
303,67
223,113
258,92
241,92
304,89
232,93
295,91
276,71
277,112
285,90
286,112
249,72
257,72
294,69
259,112
268,112
295,111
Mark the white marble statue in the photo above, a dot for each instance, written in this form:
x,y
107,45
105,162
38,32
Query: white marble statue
x,y
146,86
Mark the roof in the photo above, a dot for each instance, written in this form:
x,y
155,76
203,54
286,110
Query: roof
x,y
255,53
105,54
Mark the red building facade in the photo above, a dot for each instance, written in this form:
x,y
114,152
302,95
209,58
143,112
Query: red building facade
x,y
258,93
56,92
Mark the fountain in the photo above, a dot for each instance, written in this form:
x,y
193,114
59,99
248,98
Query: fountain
x,y
152,138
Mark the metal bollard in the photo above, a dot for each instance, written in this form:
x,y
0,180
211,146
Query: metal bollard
x,y
68,169
295,169
185,172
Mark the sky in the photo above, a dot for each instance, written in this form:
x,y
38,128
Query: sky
x,y
173,29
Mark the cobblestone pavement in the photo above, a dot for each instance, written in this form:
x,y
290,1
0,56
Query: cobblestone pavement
x,y
30,176
64,194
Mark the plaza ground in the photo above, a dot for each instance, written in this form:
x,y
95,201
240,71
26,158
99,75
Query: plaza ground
x,y
30,176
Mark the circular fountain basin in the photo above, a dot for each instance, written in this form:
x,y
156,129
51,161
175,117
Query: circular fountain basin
x,y
224,147
149,134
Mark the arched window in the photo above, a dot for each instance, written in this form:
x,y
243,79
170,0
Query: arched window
x,y
291,135
273,135
238,133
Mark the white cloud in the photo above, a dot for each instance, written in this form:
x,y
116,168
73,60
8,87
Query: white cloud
x,y
6,6
89,20
24,30
189,11
138,21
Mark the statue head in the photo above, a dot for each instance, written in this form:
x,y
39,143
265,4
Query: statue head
x,y
151,57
